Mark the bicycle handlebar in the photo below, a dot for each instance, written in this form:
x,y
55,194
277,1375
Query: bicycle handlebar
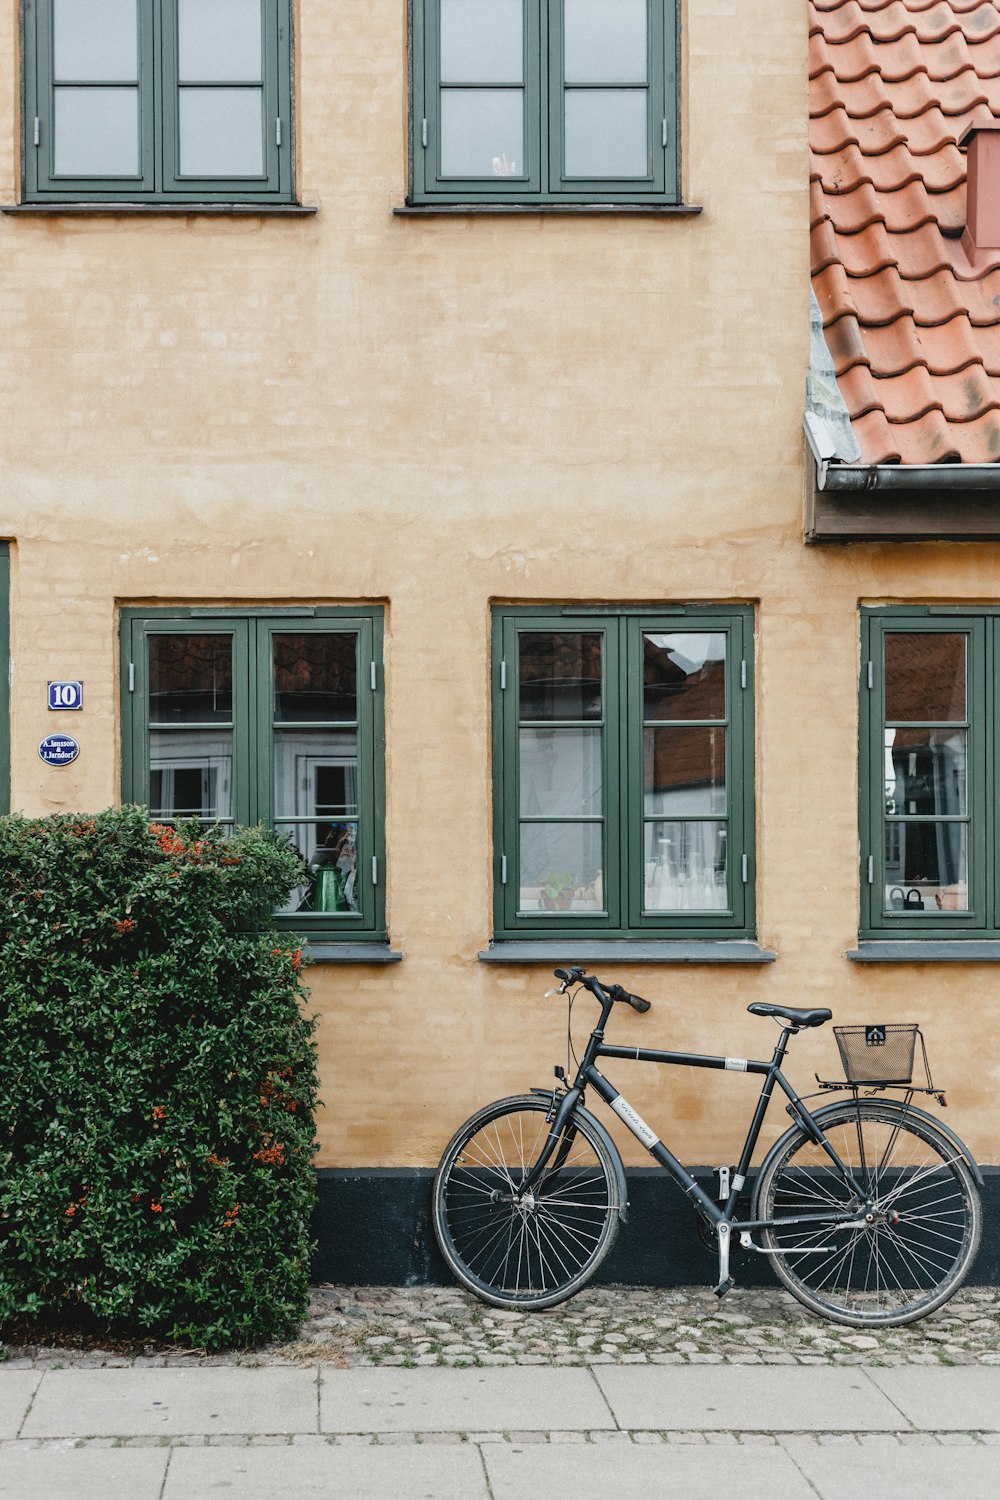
x,y
593,984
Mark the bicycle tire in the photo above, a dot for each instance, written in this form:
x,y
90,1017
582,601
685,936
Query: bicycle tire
x,y
888,1273
535,1253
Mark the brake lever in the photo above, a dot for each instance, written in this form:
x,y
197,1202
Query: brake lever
x,y
559,990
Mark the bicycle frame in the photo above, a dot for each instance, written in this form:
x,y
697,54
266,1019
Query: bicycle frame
x,y
723,1217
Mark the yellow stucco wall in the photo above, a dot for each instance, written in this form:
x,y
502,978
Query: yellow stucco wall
x,y
440,414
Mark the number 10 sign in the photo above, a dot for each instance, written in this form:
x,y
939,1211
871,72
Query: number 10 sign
x,y
65,695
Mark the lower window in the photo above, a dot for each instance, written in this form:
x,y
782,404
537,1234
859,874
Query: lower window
x,y
244,717
623,772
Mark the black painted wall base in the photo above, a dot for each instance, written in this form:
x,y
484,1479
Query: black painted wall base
x,y
373,1229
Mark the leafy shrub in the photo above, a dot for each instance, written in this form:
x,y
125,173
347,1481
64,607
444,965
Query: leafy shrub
x,y
157,1082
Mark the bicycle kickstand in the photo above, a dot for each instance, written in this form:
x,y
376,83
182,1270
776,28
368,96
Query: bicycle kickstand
x,y
726,1282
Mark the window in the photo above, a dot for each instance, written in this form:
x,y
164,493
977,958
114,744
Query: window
x,y
571,101
930,777
273,717
163,100
623,753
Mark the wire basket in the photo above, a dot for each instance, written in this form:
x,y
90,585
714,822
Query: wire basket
x,y
878,1053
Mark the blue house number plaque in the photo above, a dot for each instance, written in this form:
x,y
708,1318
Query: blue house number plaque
x,y
65,695
58,750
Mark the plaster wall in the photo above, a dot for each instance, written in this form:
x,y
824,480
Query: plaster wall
x,y
441,413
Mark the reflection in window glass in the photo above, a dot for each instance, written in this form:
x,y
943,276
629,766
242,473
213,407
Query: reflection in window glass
x,y
926,868
925,677
925,772
685,866
561,867
316,677
684,676
560,675
684,770
560,772
190,679
190,774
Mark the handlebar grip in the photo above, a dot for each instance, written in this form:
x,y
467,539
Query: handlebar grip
x,y
639,1004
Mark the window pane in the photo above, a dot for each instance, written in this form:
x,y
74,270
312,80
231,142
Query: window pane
x,y
482,41
560,674
561,867
190,774
96,132
926,868
605,41
221,133
684,771
316,677
925,771
95,40
482,133
315,774
331,852
606,133
560,772
684,676
686,867
219,41
925,675
190,679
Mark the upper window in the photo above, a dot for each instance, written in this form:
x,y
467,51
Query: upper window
x,y
571,101
930,773
270,717
163,100
623,780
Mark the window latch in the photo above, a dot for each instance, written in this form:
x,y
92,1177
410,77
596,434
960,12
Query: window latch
x,y
131,676
871,869
423,133
374,870
277,132
503,869
664,134
38,131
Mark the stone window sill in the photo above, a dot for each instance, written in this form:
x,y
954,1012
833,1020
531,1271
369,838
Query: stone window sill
x,y
571,210
352,953
693,951
926,951
154,210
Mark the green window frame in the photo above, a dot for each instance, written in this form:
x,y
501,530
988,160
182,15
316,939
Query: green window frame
x,y
654,813
4,677
549,94
328,792
169,107
930,772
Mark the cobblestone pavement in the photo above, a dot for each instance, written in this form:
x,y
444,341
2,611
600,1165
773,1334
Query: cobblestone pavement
x,y
415,1326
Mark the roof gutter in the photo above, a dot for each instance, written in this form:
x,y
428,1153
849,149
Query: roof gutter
x,y
896,478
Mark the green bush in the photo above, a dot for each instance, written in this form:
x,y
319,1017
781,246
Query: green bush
x,y
157,1082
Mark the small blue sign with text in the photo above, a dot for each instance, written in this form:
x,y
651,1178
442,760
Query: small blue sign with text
x,y
66,695
58,750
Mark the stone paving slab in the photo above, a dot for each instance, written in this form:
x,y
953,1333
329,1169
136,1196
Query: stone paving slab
x,y
460,1401
590,1473
130,1403
765,1400
324,1473
918,1473
16,1390
948,1400
85,1474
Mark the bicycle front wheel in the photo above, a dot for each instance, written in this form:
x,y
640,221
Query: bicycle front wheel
x,y
923,1219
525,1249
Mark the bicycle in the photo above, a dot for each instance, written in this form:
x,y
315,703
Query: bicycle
x,y
868,1208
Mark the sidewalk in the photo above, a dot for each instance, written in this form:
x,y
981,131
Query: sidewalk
x,y
498,1434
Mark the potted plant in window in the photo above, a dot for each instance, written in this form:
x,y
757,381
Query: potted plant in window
x,y
558,890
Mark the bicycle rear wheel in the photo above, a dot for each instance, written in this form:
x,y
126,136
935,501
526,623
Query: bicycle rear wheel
x,y
920,1200
525,1250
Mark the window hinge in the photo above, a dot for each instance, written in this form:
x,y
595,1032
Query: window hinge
x,y
871,869
277,131
131,676
745,869
374,870
38,131
503,869
10,672
871,676
374,677
423,133
664,134
503,676
743,674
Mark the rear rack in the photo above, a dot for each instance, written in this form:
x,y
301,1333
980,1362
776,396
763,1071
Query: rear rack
x,y
881,1055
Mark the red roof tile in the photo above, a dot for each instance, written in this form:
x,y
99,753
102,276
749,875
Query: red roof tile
x,y
912,326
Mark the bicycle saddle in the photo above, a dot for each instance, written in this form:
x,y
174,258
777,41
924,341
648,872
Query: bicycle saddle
x,y
793,1017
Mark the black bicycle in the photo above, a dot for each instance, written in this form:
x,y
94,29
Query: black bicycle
x,y
868,1207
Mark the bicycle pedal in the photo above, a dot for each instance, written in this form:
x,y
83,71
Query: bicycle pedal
x,y
724,1287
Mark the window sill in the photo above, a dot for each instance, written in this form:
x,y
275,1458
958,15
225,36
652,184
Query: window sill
x,y
351,953
630,951
599,210
926,951
185,210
